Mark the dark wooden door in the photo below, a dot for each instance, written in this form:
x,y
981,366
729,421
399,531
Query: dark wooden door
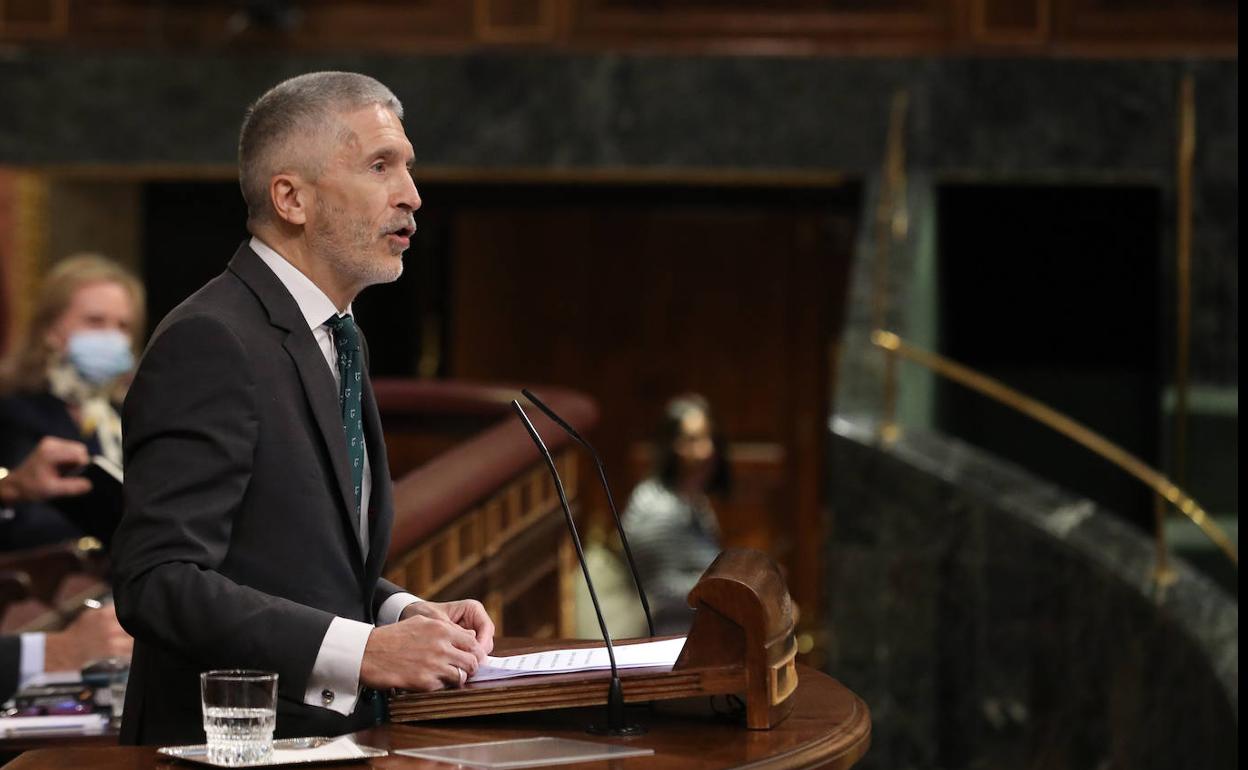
x,y
633,295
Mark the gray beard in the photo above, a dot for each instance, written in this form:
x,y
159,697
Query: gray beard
x,y
344,250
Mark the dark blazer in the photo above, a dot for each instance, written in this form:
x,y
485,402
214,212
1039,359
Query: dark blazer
x,y
10,665
239,543
25,419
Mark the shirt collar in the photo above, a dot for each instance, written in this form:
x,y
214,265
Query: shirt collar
x,y
315,305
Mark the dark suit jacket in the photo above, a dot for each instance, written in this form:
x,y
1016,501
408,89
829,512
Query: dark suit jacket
x,y
25,419
239,544
10,665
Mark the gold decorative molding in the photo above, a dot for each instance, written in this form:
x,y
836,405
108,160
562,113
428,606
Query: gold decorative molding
x,y
29,243
52,26
798,178
985,32
891,219
1185,154
892,224
488,28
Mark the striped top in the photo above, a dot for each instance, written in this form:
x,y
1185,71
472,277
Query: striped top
x,y
674,540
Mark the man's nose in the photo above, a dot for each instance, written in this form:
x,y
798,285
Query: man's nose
x,y
409,197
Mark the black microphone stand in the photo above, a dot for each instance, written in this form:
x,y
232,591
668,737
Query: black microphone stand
x,y
602,474
615,693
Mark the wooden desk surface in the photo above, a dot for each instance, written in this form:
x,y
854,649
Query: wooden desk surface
x,y
830,727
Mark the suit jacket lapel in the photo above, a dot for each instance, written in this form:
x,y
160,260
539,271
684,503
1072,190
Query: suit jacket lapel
x,y
314,374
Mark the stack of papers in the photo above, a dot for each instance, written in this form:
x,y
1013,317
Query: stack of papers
x,y
68,724
643,655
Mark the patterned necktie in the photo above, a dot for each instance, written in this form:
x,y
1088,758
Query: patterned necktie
x,y
350,378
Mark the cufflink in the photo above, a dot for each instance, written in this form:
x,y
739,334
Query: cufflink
x,y
327,697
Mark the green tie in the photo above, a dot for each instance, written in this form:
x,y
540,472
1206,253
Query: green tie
x,y
350,376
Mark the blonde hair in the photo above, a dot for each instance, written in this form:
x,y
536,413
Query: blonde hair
x,y
25,369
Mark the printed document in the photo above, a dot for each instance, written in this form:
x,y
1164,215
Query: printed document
x,y
642,655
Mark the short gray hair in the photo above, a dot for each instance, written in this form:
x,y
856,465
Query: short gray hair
x,y
303,107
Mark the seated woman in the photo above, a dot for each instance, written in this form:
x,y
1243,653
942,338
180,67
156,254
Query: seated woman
x,y
671,527
65,378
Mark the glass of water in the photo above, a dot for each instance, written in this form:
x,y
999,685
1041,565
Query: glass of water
x,y
117,694
240,711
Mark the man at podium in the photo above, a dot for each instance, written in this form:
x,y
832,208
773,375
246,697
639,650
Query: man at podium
x,y
258,500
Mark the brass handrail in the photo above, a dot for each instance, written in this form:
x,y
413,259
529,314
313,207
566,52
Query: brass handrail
x,y
1055,420
1185,151
891,222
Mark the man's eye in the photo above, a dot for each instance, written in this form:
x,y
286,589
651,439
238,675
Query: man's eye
x,y
379,166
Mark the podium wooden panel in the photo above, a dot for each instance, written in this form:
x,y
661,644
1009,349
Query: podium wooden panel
x,y
828,727
741,643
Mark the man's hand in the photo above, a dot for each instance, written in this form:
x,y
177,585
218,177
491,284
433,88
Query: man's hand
x,y
93,635
466,613
420,653
39,476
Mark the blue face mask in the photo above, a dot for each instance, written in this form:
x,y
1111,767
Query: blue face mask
x,y
100,355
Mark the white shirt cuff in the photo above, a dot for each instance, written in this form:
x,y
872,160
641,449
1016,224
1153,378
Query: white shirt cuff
x,y
335,680
33,648
393,607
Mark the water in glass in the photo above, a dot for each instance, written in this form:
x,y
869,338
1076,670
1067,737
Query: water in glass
x,y
239,736
239,715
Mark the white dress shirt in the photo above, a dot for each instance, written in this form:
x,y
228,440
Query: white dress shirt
x,y
33,649
335,679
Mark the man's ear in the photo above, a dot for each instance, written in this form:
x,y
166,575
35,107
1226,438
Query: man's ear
x,y
291,198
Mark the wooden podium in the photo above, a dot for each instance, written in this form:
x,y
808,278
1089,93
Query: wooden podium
x,y
829,728
741,643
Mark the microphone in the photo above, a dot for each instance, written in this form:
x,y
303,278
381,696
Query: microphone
x,y
615,694
602,475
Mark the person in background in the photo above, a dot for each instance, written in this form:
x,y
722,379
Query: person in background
x,y
65,378
671,526
41,476
95,633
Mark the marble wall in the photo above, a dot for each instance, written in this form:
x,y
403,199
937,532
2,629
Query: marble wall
x,y
992,620
1000,120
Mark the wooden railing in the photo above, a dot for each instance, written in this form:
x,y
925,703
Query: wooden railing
x,y
42,588
476,514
